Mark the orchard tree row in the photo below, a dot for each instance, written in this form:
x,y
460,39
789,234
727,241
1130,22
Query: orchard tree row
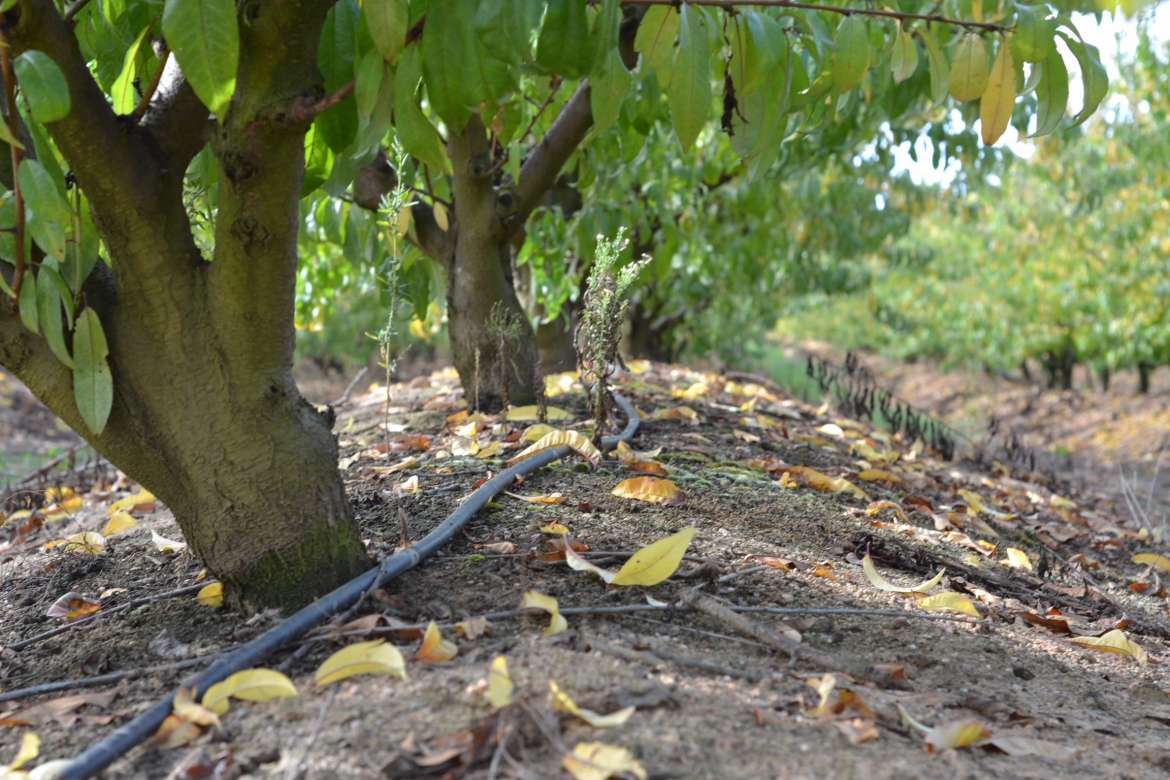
x,y
164,157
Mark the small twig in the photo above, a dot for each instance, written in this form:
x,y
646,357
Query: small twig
x,y
344,397
54,463
552,93
148,95
18,694
137,602
72,11
307,112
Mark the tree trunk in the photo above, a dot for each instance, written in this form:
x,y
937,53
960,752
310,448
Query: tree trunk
x,y
492,342
554,340
205,413
1144,372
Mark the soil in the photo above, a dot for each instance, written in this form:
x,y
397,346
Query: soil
x,y
712,701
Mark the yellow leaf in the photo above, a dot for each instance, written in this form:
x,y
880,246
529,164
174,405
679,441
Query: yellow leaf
x,y
1153,559
500,685
877,475
1114,641
975,502
692,393
578,563
949,602
655,562
961,734
867,452
578,442
877,507
434,648
531,413
677,414
119,523
408,486
536,432
554,529
402,465
58,493
439,211
88,542
30,748
969,69
491,451
373,657
824,483
211,595
563,702
1017,559
559,384
547,500
537,600
650,489
248,685
879,582
130,503
599,761
165,545
184,707
404,221
995,107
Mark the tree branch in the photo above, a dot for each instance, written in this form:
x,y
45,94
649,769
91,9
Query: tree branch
x,y
835,9
544,164
177,120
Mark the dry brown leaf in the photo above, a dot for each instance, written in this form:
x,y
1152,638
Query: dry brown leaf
x,y
434,648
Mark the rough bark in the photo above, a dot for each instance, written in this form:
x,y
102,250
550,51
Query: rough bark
x,y
206,413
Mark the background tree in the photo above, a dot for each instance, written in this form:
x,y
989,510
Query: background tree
x,y
161,154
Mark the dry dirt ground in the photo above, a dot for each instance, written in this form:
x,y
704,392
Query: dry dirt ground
x,y
786,500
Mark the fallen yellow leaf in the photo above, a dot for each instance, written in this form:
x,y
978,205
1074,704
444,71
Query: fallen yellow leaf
x,y
1153,559
599,761
248,685
678,414
131,503
554,529
30,748
434,648
536,432
655,562
531,413
537,600
185,707
119,523
949,602
87,542
1017,559
649,489
577,562
493,450
824,483
548,500
500,685
165,545
879,582
211,595
877,475
575,440
373,657
563,702
961,734
877,507
1115,642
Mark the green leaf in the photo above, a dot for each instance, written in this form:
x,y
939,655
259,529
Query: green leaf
x,y
970,69
205,39
689,93
93,385
1051,95
123,92
28,303
49,311
1093,77
380,120
418,136
565,46
851,60
999,99
388,21
940,72
48,212
451,63
609,87
655,40
7,137
368,83
904,60
1034,37
760,130
43,85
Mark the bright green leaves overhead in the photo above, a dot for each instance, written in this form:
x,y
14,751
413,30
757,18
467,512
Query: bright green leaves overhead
x,y
610,83
565,46
940,71
205,38
1032,40
655,40
970,69
417,135
93,385
851,59
998,100
43,85
387,21
47,212
451,62
689,92
1096,81
904,60
123,92
1051,94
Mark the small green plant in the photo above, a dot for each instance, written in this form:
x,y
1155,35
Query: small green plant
x,y
507,329
389,211
599,333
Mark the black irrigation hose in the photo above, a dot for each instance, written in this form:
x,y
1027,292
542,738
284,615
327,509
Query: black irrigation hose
x,y
99,756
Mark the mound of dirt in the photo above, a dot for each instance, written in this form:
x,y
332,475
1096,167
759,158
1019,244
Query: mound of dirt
x,y
771,651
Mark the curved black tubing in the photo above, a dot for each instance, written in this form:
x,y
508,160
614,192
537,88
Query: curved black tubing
x,y
99,756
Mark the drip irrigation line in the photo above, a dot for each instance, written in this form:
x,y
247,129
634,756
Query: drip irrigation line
x,y
100,755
